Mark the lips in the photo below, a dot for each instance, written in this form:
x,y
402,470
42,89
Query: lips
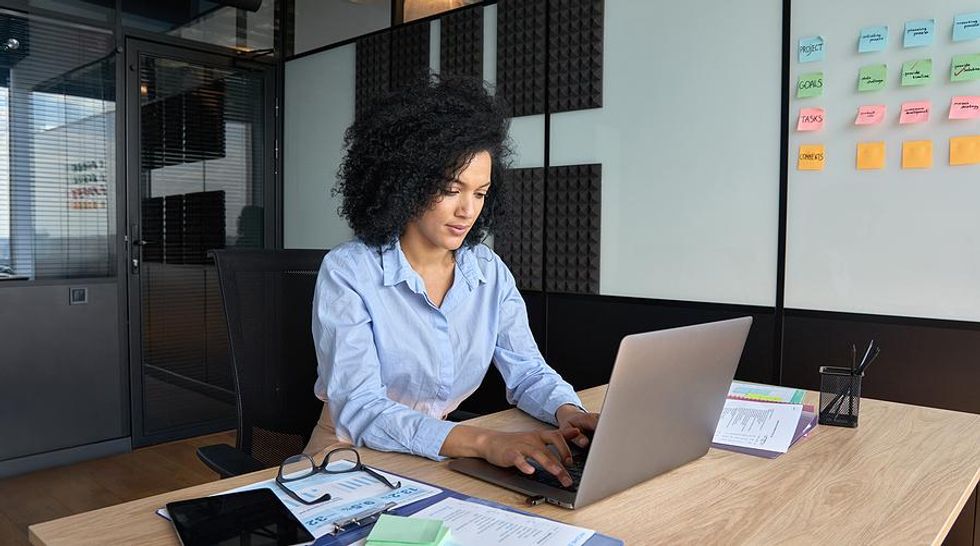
x,y
457,229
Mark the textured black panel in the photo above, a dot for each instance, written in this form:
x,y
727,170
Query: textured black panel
x,y
372,69
574,55
521,55
461,44
409,53
584,333
521,243
926,363
572,234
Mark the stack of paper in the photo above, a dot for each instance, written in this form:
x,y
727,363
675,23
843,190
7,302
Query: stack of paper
x,y
763,420
401,531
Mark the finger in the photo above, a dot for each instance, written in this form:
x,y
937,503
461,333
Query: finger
x,y
574,434
549,463
557,439
521,463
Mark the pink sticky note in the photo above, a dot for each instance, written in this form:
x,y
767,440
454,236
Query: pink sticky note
x,y
964,108
811,119
870,114
914,112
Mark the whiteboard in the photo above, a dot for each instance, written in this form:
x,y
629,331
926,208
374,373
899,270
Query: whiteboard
x,y
890,241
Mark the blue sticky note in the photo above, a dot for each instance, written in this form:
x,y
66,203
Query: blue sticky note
x,y
919,33
873,39
966,27
811,49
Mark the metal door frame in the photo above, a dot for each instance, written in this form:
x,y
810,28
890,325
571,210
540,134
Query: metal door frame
x,y
129,148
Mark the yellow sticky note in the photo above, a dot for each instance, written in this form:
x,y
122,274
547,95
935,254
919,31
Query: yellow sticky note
x,y
811,157
871,155
964,150
917,154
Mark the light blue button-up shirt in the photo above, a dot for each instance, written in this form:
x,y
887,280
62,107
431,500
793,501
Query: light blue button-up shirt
x,y
392,364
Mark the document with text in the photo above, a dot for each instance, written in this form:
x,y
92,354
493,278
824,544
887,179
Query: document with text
x,y
758,425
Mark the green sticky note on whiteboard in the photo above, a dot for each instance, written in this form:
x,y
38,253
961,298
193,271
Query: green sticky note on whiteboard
x,y
872,77
809,85
917,72
965,68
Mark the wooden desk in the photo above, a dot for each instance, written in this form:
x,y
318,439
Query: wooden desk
x,y
902,477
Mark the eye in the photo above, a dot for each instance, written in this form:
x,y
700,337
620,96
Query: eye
x,y
448,191
481,195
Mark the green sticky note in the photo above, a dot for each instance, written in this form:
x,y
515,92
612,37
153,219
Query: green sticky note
x,y
965,68
872,77
398,530
810,85
916,72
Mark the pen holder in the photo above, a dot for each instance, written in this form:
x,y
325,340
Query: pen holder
x,y
840,396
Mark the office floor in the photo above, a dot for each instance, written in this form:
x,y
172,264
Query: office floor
x,y
58,492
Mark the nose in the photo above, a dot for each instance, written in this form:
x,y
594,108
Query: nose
x,y
466,206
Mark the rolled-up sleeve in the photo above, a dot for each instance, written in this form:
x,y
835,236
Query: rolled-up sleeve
x,y
532,385
350,369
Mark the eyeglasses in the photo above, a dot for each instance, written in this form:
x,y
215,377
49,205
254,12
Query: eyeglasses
x,y
299,467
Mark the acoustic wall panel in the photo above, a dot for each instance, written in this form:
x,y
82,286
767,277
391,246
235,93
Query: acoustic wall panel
x,y
520,243
521,28
574,55
373,68
319,106
409,53
573,220
461,43
690,196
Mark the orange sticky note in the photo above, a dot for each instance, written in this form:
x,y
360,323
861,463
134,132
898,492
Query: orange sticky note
x,y
870,114
811,119
914,112
964,108
811,157
871,155
964,150
917,154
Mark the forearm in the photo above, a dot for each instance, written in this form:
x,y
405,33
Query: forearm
x,y
466,441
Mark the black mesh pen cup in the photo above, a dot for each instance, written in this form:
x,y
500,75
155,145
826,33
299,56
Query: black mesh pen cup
x,y
840,396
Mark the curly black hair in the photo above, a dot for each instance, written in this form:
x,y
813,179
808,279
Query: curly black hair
x,y
409,145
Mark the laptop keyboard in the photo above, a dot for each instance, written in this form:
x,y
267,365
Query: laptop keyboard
x,y
541,475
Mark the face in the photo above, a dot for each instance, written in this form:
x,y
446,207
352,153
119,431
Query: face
x,y
454,211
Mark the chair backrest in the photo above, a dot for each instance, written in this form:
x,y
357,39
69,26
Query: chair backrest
x,y
268,298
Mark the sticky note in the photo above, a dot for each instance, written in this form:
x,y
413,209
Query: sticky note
x,y
811,157
966,27
811,49
964,108
917,72
870,114
809,85
919,33
872,77
811,119
870,155
965,68
873,39
964,150
914,112
404,530
917,154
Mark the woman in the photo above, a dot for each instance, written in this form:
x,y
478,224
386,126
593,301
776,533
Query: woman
x,y
408,316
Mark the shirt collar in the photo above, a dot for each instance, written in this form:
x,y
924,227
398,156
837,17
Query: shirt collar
x,y
396,268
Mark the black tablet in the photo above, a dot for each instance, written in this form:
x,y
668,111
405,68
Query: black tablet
x,y
253,518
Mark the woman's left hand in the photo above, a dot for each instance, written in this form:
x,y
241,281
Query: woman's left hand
x,y
572,419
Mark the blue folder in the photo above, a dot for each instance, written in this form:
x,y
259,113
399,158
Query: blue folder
x,y
357,533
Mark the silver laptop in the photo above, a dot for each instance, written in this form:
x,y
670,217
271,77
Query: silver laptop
x,y
661,409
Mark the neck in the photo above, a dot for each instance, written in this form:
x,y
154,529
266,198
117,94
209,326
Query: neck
x,y
422,255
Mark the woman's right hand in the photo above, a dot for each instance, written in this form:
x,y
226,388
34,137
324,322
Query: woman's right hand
x,y
515,448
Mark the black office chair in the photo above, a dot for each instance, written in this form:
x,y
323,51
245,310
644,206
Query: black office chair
x,y
268,297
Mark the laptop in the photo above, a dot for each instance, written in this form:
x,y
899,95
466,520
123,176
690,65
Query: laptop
x,y
661,409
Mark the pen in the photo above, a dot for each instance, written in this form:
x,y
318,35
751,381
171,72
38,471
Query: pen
x,y
853,356
865,365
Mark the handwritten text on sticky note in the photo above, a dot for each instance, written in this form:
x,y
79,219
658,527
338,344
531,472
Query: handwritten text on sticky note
x,y
965,68
811,157
872,77
914,112
918,72
966,27
811,119
870,114
873,39
964,108
809,85
919,33
811,49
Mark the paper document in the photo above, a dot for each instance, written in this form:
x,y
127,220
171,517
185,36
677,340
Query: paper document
x,y
473,524
765,393
758,425
350,493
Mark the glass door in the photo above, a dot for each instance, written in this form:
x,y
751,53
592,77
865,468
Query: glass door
x,y
199,178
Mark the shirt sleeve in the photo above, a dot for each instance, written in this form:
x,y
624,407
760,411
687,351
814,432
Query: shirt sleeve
x,y
534,386
349,367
